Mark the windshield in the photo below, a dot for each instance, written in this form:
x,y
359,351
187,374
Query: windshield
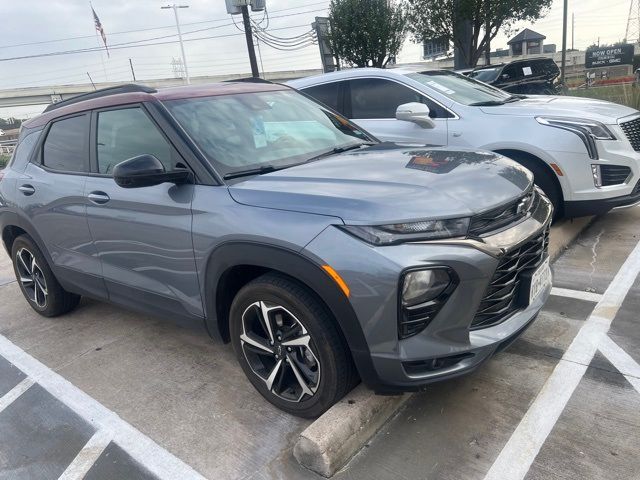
x,y
272,129
459,88
486,75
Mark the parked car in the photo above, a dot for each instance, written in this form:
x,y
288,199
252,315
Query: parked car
x,y
584,153
534,76
278,225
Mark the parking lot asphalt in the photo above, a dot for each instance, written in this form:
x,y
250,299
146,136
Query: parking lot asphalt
x,y
89,388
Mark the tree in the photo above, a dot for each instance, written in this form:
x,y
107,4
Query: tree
x,y
430,19
366,33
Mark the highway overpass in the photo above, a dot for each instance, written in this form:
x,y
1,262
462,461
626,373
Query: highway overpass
x,y
18,97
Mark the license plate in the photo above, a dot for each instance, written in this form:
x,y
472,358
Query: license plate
x,y
540,280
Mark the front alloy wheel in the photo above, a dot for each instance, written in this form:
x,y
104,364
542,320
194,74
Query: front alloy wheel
x,y
289,346
278,349
32,278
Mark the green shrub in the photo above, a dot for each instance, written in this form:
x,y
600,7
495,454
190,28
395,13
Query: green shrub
x,y
4,159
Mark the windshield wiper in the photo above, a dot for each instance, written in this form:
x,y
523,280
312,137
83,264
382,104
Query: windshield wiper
x,y
488,103
253,171
337,150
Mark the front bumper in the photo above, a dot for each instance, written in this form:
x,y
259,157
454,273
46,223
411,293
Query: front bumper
x,y
583,208
448,343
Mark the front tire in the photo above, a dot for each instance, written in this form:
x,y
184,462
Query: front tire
x,y
37,281
544,179
289,347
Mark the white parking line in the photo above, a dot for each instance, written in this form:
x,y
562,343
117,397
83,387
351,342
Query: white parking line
x,y
87,456
622,361
577,294
9,397
515,459
145,451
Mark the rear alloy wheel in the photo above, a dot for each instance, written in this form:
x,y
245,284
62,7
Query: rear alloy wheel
x,y
36,279
31,278
289,347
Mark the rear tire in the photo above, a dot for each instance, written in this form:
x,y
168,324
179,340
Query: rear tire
x,y
303,365
39,285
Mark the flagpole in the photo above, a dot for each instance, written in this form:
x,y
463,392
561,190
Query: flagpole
x,y
104,68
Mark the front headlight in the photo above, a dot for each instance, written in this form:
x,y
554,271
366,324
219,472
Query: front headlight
x,y
410,232
587,130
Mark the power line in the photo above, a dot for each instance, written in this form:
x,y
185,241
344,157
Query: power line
x,y
80,37
121,46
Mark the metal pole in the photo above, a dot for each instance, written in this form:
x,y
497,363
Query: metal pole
x,y
248,33
184,57
260,55
91,80
564,43
133,73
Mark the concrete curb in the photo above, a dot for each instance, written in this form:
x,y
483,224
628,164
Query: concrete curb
x,y
564,233
333,439
329,443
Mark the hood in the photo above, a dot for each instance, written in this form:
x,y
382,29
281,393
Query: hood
x,y
389,183
561,106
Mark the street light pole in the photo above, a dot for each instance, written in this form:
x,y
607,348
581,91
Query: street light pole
x,y
175,8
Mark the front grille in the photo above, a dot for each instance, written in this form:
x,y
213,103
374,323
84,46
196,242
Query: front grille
x,y
614,174
502,296
504,215
632,130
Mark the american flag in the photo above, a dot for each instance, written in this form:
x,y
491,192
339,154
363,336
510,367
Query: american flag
x,y
100,29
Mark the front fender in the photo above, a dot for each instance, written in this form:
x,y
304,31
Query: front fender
x,y
299,267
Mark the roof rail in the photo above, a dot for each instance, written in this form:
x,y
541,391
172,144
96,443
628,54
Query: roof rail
x,y
248,80
103,92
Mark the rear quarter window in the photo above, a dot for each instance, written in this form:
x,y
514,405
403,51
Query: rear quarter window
x,y
23,151
326,93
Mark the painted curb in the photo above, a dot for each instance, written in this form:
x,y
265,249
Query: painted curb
x,y
332,440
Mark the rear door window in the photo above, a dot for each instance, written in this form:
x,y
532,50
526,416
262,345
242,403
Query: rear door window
x,y
66,147
326,93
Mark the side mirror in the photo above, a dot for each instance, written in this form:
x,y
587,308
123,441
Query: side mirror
x,y
505,76
415,112
146,171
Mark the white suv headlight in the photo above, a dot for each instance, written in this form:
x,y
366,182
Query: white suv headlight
x,y
587,130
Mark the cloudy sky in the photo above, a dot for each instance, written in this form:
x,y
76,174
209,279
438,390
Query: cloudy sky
x,y
214,45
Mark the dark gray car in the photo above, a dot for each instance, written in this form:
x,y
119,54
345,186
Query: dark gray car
x,y
278,225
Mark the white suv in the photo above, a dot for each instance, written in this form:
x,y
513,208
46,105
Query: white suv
x,y
584,153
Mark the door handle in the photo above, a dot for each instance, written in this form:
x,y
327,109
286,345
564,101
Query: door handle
x,y
99,198
28,190
456,134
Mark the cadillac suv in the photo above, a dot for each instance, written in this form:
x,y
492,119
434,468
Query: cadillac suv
x,y
322,255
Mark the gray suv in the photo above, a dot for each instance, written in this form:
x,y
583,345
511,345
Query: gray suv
x,y
323,256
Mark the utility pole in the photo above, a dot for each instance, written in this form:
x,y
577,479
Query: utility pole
x,y
184,58
248,33
133,73
564,43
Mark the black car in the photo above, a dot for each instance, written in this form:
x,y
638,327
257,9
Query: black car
x,y
536,76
